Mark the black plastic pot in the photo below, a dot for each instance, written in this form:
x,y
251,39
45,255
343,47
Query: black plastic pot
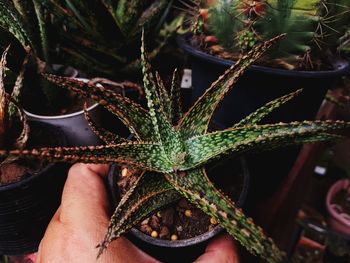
x,y
256,87
260,85
182,250
27,206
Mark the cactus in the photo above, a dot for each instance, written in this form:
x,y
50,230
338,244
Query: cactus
x,y
313,28
171,148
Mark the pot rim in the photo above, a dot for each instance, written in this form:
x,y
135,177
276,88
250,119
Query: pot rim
x,y
200,238
338,185
341,66
63,116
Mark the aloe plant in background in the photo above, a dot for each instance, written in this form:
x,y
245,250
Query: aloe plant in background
x,y
172,149
101,36
97,37
8,116
313,28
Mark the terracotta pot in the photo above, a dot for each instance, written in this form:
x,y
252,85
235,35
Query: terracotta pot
x,y
339,222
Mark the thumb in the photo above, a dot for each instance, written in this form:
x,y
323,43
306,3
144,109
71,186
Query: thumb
x,y
81,223
222,249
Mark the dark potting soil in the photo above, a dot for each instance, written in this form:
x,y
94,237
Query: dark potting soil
x,y
13,169
181,220
342,199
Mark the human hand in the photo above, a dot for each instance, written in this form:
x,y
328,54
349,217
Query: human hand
x,y
81,222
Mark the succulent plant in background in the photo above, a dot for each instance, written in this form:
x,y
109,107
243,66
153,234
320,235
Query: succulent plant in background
x,y
313,29
172,149
100,36
8,117
344,45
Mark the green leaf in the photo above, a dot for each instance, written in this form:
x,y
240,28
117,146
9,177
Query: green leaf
x,y
175,99
105,135
196,120
11,21
197,188
131,114
128,12
163,130
43,31
150,193
260,113
247,138
139,154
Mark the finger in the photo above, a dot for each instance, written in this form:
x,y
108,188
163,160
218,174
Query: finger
x,y
222,249
84,198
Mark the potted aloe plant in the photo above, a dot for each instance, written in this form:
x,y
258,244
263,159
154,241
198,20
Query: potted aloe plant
x,y
30,190
171,148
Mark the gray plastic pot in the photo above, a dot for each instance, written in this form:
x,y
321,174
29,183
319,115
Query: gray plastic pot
x,y
74,125
180,250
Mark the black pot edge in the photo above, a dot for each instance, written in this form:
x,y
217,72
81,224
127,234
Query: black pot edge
x,y
341,66
191,241
37,174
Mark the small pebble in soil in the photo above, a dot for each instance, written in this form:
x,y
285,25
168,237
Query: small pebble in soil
x,y
154,222
213,221
124,172
145,222
173,237
146,229
164,233
154,234
188,213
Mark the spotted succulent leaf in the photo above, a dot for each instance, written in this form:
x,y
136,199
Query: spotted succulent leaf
x,y
175,101
148,194
154,13
127,13
39,11
197,118
11,20
105,135
247,138
163,130
139,154
131,114
262,112
197,188
165,101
